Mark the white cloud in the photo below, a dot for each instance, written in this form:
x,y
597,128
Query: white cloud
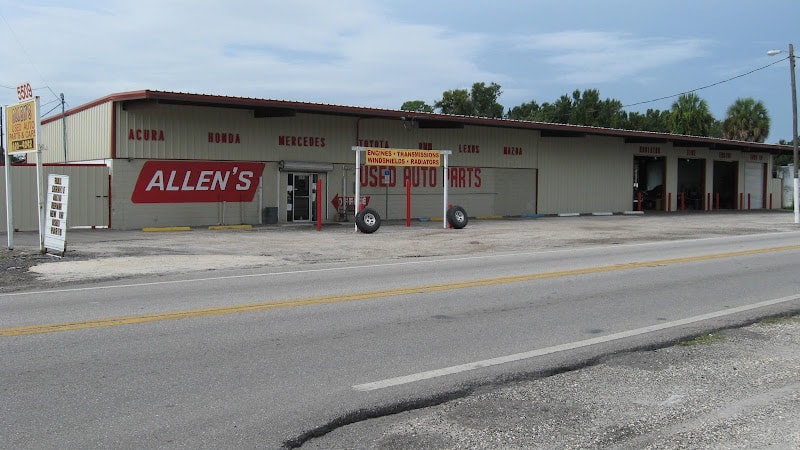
x,y
379,54
301,50
588,57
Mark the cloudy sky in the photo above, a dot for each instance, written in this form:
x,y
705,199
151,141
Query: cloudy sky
x,y
382,53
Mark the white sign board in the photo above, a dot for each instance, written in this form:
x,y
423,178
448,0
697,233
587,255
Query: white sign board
x,y
55,230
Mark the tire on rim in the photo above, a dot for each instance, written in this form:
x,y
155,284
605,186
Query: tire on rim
x,y
368,220
457,217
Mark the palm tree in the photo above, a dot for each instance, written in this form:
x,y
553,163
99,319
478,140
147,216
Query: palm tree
x,y
746,120
691,116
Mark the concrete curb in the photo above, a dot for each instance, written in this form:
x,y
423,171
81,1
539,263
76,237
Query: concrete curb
x,y
230,227
160,229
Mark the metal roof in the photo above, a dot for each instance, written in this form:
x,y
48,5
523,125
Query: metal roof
x,y
284,108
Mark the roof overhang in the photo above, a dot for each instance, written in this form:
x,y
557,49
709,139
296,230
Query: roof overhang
x,y
266,108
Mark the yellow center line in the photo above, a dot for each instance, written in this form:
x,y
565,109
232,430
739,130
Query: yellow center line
x,y
337,298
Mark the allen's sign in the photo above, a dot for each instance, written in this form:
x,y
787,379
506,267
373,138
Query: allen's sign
x,y
197,181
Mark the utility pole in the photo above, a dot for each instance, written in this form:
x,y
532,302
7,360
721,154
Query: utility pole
x,y
795,182
64,126
796,185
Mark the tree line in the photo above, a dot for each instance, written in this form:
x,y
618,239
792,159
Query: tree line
x,y
746,119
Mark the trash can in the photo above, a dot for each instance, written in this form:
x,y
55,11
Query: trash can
x,y
271,215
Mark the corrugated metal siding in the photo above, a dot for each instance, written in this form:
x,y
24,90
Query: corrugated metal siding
x,y
505,192
492,170
471,146
88,195
584,175
191,133
495,168
88,136
184,133
186,136
128,215
516,192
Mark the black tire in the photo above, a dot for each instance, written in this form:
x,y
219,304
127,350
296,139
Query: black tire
x,y
368,220
457,217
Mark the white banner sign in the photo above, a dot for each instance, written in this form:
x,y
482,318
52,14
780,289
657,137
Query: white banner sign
x,y
55,230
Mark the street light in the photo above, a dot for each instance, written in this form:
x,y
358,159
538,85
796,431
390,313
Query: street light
x,y
796,183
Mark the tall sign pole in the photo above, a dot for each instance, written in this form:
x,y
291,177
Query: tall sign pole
x,y
9,209
39,178
23,137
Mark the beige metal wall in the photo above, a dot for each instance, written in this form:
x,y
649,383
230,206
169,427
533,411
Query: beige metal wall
x,y
182,132
494,171
502,192
193,133
584,175
88,136
128,215
88,195
482,179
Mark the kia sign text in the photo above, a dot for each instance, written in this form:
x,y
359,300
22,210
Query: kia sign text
x,y
197,181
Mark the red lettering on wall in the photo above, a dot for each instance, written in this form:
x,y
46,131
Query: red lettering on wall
x,y
649,150
465,177
301,141
139,134
426,146
516,151
372,176
223,138
420,177
469,148
374,143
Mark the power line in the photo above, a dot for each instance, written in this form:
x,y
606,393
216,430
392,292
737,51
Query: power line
x,y
707,86
24,50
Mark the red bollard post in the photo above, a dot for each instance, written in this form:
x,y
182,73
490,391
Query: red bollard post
x,y
639,205
770,200
669,202
445,217
408,203
749,206
717,194
319,205
683,201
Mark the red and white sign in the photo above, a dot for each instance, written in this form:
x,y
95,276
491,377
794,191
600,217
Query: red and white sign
x,y
349,201
197,181
24,92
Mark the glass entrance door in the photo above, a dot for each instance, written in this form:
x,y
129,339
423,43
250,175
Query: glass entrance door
x,y
301,198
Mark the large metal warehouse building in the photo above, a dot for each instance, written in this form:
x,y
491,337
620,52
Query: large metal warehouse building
x,y
152,158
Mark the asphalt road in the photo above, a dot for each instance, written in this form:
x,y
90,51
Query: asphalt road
x,y
250,374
